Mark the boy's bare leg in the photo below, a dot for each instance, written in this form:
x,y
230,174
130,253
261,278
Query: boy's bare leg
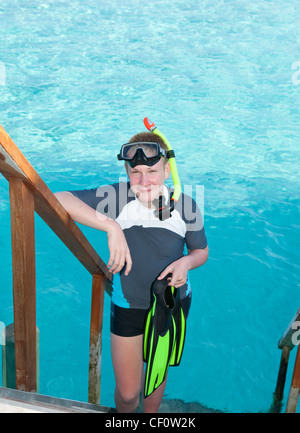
x,y
127,358
152,403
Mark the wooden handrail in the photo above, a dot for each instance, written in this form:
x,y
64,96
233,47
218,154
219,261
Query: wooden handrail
x,y
13,164
29,193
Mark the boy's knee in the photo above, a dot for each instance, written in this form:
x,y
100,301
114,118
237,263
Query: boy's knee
x,y
128,397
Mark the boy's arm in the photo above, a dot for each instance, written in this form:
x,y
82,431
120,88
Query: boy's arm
x,y
86,215
179,269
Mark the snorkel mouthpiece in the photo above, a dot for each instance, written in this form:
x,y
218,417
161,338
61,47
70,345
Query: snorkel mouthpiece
x,y
164,211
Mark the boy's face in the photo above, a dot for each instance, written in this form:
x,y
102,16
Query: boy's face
x,y
147,182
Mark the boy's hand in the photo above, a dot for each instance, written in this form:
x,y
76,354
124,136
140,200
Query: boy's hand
x,y
180,267
179,271
118,248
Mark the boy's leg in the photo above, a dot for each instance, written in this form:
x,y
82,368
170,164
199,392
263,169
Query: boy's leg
x,y
127,358
152,403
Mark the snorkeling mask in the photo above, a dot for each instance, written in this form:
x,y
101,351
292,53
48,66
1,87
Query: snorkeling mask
x,y
141,153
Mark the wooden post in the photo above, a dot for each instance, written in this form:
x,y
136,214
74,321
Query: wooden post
x,y
282,373
8,358
278,394
295,387
96,338
24,295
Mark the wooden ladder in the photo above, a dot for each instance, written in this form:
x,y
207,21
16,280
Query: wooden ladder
x,y
28,194
288,341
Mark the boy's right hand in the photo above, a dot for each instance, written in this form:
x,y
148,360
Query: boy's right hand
x,y
118,248
84,214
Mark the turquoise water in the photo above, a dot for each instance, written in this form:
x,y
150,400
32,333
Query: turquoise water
x,y
217,78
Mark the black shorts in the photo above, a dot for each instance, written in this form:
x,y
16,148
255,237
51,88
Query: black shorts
x,y
130,322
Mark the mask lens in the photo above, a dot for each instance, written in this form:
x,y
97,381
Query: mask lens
x,y
149,149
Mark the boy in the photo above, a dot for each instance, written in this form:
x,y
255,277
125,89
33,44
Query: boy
x,y
142,248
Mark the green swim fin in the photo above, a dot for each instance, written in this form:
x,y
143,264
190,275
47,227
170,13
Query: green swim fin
x,y
164,334
180,322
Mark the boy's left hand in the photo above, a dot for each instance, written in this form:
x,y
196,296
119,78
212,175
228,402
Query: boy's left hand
x,y
180,267
179,270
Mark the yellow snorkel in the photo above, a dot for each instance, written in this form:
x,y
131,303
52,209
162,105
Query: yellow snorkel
x,y
165,211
